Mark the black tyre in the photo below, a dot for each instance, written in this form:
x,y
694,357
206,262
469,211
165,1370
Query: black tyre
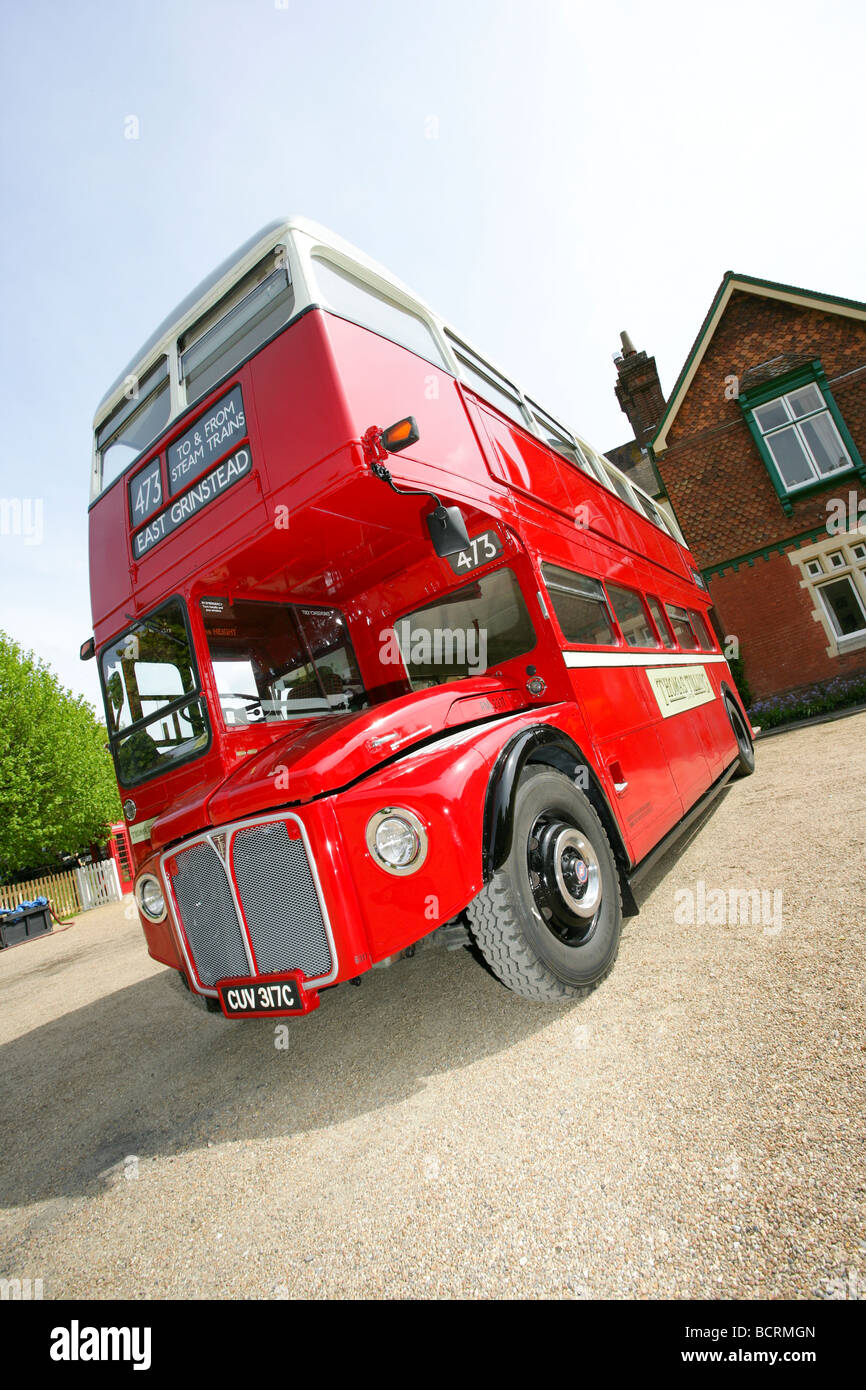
x,y
743,735
548,923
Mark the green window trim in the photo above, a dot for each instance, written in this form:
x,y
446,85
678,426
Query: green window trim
x,y
812,373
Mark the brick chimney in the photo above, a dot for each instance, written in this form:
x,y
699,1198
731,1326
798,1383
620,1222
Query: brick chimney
x,y
638,390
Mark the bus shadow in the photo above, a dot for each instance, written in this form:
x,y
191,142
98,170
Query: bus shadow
x,y
145,1072
662,868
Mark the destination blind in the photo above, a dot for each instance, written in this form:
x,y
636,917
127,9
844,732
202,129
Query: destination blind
x,y
211,486
213,433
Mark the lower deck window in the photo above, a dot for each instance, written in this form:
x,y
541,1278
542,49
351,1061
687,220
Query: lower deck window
x,y
660,621
580,606
632,617
701,630
683,630
466,632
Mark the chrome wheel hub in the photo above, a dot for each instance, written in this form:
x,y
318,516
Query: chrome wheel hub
x,y
565,878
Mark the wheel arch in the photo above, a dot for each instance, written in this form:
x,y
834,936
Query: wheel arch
x,y
540,744
726,689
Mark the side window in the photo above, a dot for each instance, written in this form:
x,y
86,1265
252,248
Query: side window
x,y
558,437
580,606
487,382
652,511
619,487
354,299
683,630
632,617
702,631
466,632
660,621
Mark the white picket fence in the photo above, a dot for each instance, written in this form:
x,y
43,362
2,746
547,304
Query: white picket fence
x,y
98,884
74,890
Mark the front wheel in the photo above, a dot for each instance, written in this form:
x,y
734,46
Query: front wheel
x,y
548,923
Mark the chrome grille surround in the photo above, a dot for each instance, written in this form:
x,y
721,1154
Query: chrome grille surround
x,y
277,907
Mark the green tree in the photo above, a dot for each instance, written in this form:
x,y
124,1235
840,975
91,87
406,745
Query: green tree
x,y
57,787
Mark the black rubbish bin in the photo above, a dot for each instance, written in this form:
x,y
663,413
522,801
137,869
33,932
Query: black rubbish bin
x,y
23,923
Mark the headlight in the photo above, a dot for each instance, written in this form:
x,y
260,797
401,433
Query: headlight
x,y
149,897
397,840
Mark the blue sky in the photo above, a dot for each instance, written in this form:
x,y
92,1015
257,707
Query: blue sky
x,y
545,174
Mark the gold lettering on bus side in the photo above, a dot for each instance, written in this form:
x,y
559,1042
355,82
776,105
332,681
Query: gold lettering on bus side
x,y
676,689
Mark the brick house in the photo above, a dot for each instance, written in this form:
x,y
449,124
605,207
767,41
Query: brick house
x,y
760,450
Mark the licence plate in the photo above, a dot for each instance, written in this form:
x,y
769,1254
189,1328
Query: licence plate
x,y
267,996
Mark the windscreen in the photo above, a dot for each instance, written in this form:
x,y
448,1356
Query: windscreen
x,y
279,661
156,717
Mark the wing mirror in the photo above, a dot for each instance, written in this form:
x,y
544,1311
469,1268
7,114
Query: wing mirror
x,y
447,530
445,524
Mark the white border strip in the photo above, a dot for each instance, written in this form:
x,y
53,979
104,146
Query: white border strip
x,y
587,659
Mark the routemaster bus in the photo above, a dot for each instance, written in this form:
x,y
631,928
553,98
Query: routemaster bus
x,y
386,648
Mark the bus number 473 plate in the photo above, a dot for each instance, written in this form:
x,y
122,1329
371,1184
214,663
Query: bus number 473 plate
x,y
480,551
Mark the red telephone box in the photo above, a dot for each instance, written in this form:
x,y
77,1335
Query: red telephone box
x,y
121,853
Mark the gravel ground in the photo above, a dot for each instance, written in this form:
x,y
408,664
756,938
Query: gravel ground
x,y
693,1129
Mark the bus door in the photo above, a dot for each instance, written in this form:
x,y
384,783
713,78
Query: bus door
x,y
608,683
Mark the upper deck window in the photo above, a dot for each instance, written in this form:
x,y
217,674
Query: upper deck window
x,y
651,510
274,661
580,606
558,437
620,486
353,299
150,683
488,382
245,318
134,423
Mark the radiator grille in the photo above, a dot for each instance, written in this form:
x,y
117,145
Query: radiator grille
x,y
279,900
208,915
278,897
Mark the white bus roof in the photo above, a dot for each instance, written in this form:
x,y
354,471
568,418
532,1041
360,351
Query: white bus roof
x,y
163,341
212,287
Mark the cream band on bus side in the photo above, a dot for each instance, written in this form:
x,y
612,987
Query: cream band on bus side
x,y
678,688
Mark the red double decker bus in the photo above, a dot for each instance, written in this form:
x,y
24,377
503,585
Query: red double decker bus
x,y
364,684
